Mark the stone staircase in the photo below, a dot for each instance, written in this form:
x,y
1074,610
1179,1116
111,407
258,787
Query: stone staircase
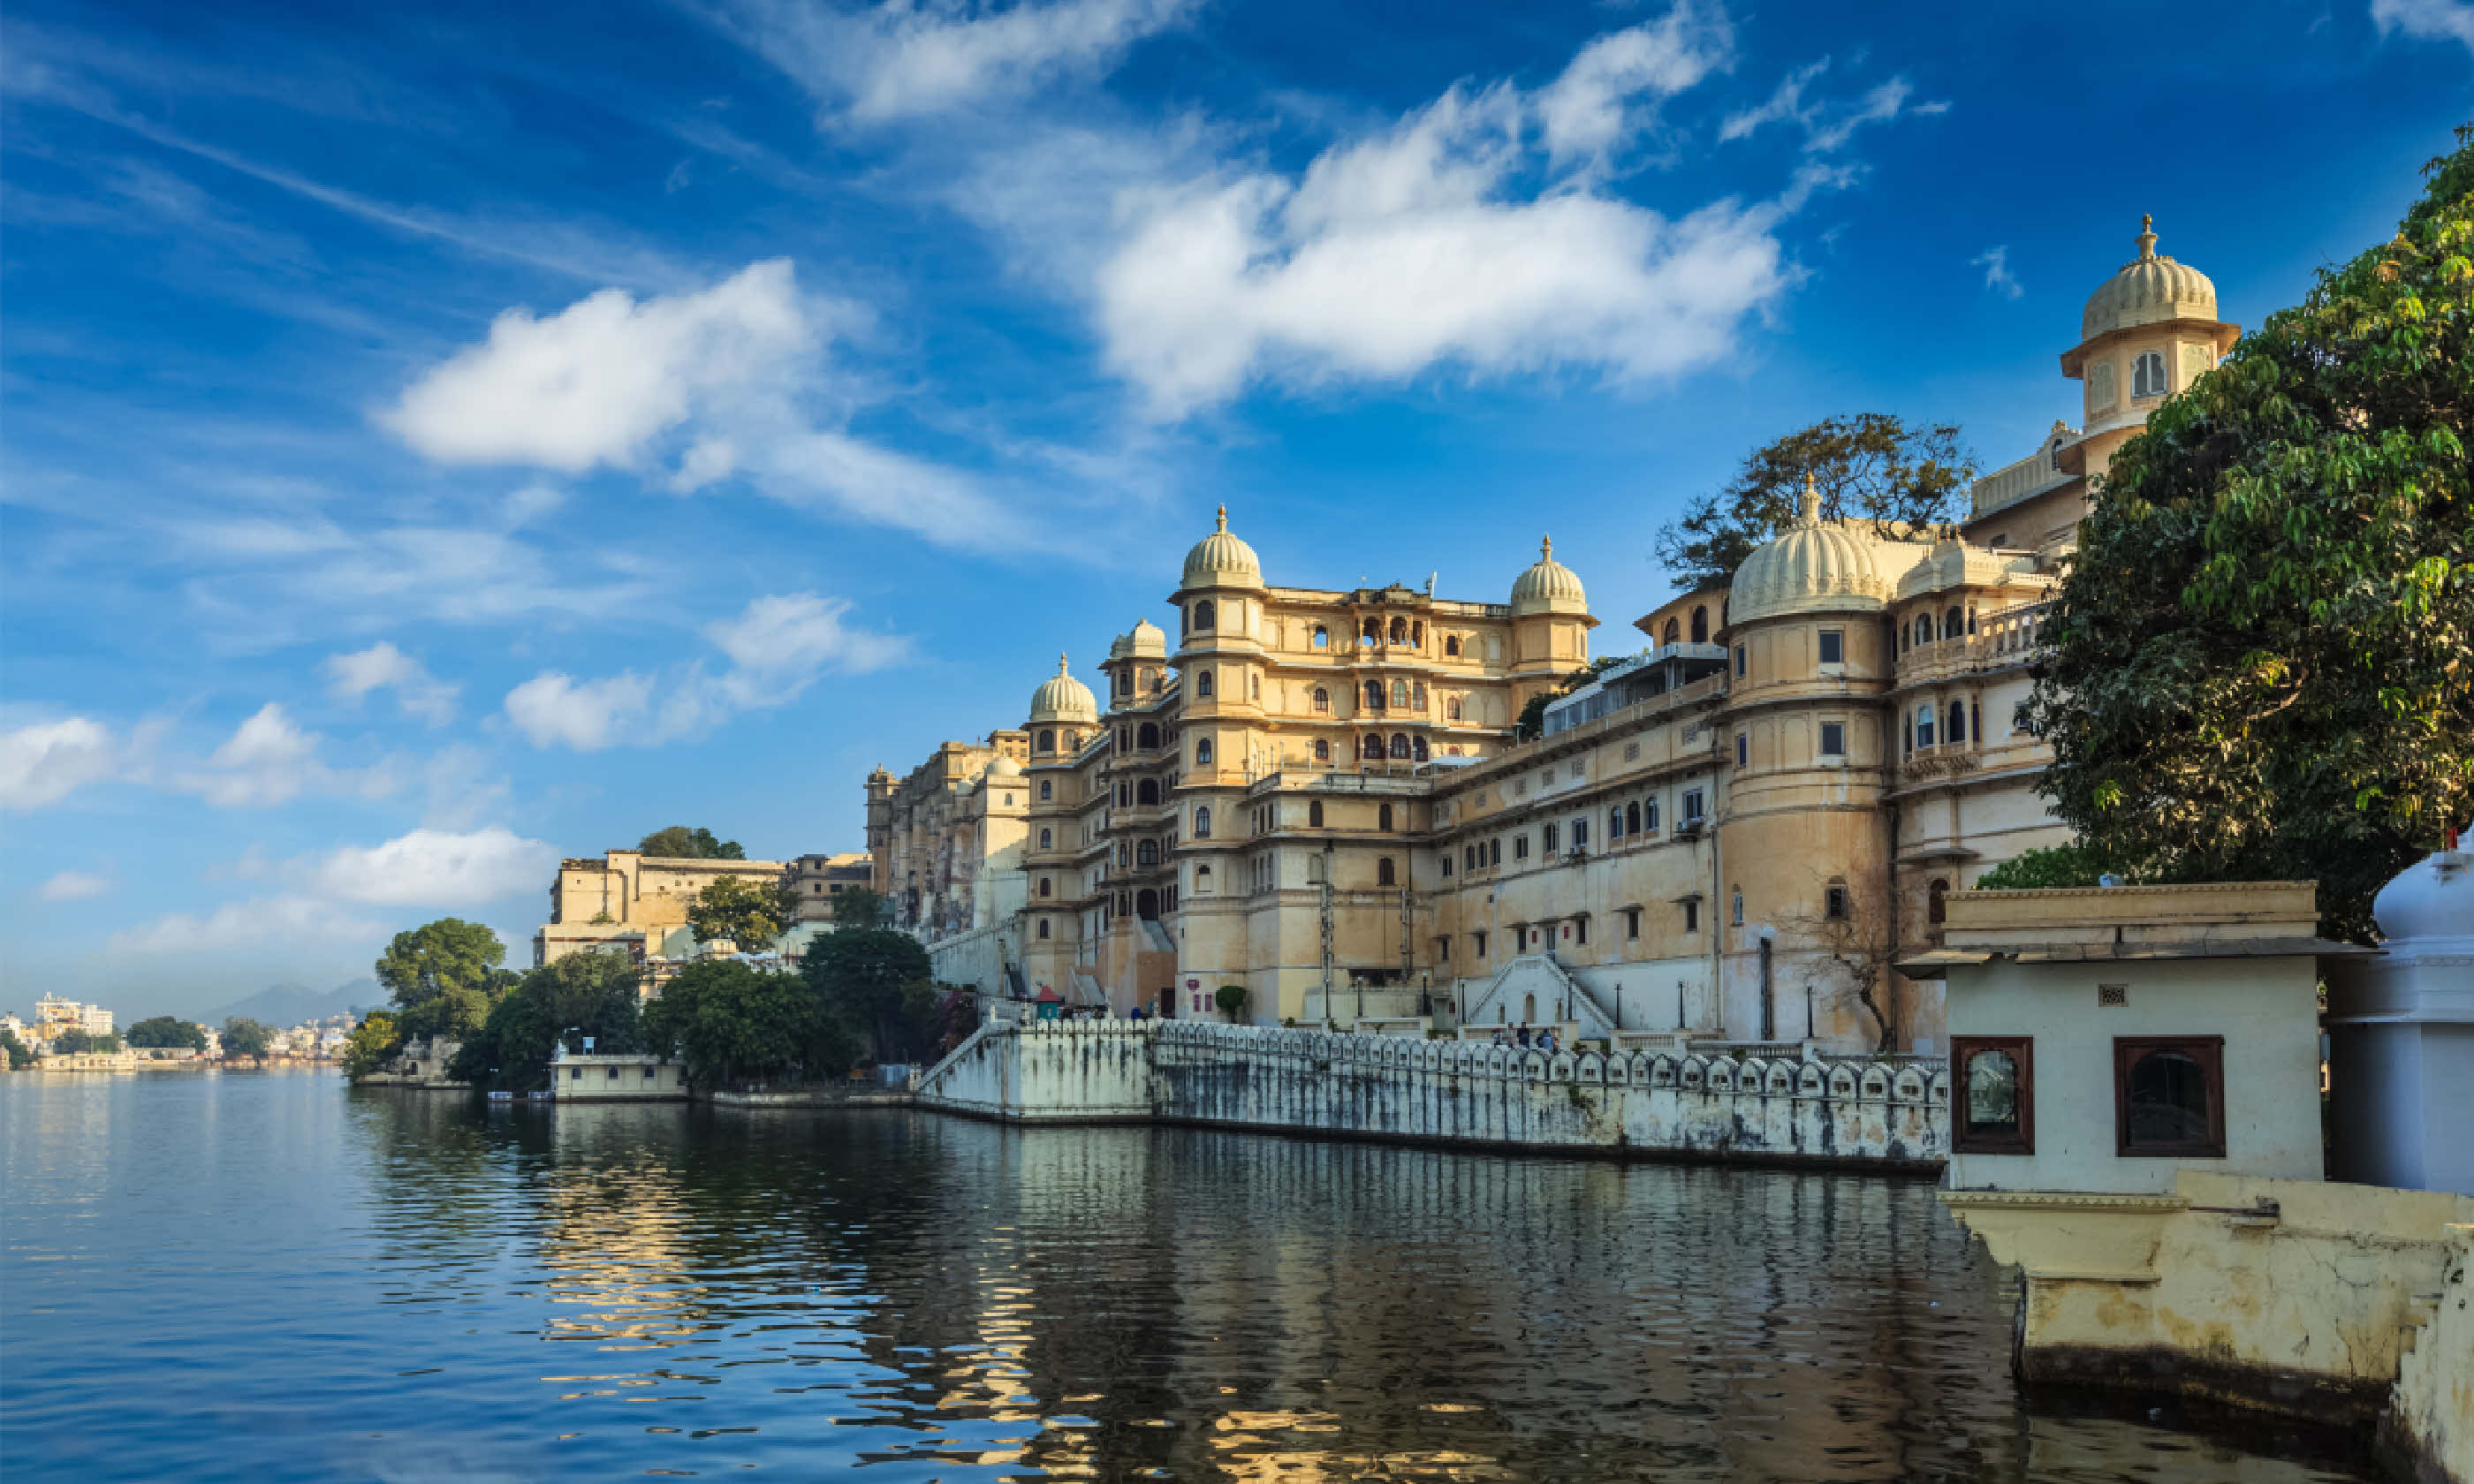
x,y
1539,978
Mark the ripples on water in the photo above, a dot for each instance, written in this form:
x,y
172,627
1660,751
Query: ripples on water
x,y
271,1277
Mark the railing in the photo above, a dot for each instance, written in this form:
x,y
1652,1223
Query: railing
x,y
1944,760
1521,753
2014,482
1397,778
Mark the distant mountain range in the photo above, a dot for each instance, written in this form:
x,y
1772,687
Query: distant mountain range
x,y
289,1004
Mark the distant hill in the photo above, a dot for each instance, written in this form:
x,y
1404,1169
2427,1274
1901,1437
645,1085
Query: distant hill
x,y
289,1004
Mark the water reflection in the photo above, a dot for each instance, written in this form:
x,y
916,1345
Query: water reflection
x,y
615,1289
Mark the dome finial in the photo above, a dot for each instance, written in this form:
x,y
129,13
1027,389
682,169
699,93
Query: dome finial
x,y
1546,548
1223,517
1060,661
1808,509
2147,237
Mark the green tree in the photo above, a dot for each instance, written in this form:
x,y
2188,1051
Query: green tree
x,y
2262,663
168,1031
2052,868
372,1044
1532,721
20,1055
583,995
245,1037
1871,467
747,913
74,1043
442,977
730,1022
680,843
1232,1000
858,906
879,981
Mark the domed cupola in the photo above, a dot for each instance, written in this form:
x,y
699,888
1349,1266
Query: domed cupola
x,y
1548,587
1221,559
1145,641
2147,290
1813,566
1001,769
1061,698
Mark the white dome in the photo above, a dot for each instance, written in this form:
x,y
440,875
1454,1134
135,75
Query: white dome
x,y
2148,288
1813,566
1061,698
2429,904
1003,768
1221,559
1145,640
1548,587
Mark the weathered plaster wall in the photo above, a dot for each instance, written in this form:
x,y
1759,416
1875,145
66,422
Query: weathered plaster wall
x,y
1855,1110
2432,1421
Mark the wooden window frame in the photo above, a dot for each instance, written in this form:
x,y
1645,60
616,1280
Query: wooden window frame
x,y
2020,1049
2209,1051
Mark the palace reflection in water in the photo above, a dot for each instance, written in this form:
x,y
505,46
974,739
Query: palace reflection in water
x,y
411,1285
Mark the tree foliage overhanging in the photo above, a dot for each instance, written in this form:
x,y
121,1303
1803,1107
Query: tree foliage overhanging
x,y
750,913
731,1023
245,1037
444,976
2261,662
1871,467
583,995
168,1031
678,841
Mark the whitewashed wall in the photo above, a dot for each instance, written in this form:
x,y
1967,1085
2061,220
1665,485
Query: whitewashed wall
x,y
1859,1110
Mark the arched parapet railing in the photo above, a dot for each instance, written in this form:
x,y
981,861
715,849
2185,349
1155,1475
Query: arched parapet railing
x,y
1778,1081
1876,1085
1617,1071
1842,1083
1694,1075
1561,1067
1722,1076
1533,1065
1664,1072
1938,1092
1908,1087
1809,1082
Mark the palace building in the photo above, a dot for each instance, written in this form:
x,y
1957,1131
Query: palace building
x,y
1316,794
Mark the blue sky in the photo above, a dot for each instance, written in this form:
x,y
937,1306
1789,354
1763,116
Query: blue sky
x,y
441,439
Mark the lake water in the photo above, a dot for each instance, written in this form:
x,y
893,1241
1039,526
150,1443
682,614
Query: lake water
x,y
271,1277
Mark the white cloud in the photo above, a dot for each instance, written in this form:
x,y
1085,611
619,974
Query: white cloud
x,y
1998,277
74,886
270,760
44,763
778,646
383,665
909,58
597,382
434,867
1429,243
2429,20
1826,126
294,923
1589,109
731,379
553,707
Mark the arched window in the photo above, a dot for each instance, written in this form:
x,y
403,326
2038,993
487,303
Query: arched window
x,y
1958,721
1417,749
1201,880
1952,623
1047,790
1936,910
1674,632
1370,632
1046,887
1047,839
1148,737
1147,791
1401,744
1923,629
1614,824
1632,818
1147,906
1400,695
1314,814
1204,617
1383,871
1372,746
1322,699
1202,822
1924,725
1322,637
1047,740
1322,749
1700,626
1452,708
1203,752
2171,1096
1383,818
1399,630
1146,854
1971,620
2147,374
1156,682
1043,927
1202,685
1451,646
1375,695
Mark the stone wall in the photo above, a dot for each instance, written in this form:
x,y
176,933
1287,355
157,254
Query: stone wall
x,y
1872,1111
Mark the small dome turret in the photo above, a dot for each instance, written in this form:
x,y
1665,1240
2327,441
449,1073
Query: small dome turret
x,y
1814,565
1003,768
1145,640
1548,587
1061,698
1221,559
2146,290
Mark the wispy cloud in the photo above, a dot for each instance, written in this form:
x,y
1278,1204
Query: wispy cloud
x,y
2426,20
1828,123
384,667
1998,277
74,886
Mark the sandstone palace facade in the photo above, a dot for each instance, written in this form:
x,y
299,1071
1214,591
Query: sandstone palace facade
x,y
1316,794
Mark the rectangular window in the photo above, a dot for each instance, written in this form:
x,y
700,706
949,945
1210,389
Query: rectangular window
x,y
1834,905
1046,789
2169,1096
1443,951
648,1074
1742,655
1446,864
1494,851
1632,922
573,1073
1580,833
1580,930
1547,836
1692,806
1834,739
1521,847
1649,815
1480,939
1743,751
1995,1095
1834,646
1691,916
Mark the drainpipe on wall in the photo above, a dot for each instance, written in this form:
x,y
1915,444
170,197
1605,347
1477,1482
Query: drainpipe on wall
x,y
1717,914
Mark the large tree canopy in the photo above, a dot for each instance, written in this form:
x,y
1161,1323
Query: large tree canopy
x,y
168,1031
747,913
731,1023
878,981
680,843
1871,465
245,1037
2262,663
442,977
583,995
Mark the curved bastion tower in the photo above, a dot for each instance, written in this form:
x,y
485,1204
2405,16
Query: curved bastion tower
x,y
1318,795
